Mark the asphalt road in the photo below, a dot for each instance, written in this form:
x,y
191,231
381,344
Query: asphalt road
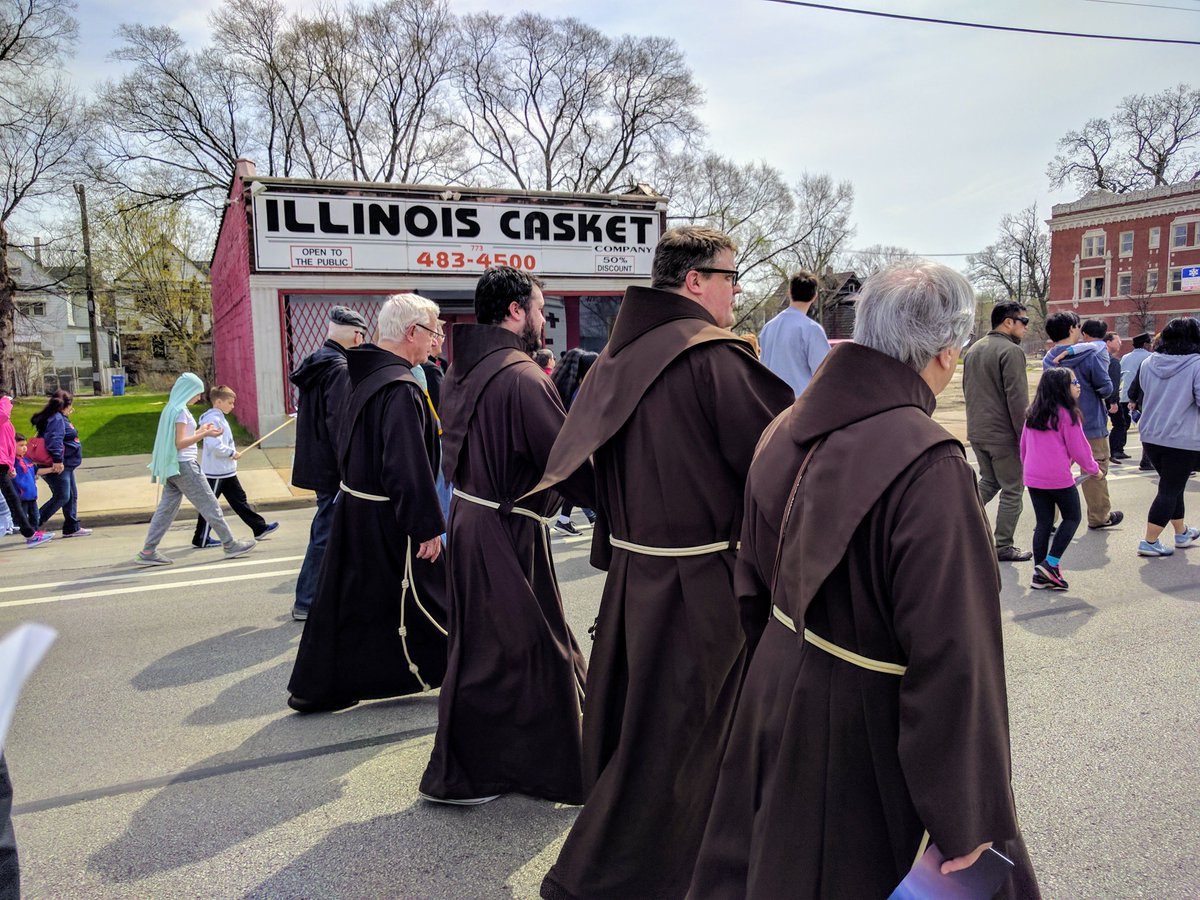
x,y
153,755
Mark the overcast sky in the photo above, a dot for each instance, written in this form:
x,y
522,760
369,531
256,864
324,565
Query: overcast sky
x,y
941,130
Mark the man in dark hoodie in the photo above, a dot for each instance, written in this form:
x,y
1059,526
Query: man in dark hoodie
x,y
508,715
324,386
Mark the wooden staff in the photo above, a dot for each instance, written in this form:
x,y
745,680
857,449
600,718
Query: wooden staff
x,y
286,422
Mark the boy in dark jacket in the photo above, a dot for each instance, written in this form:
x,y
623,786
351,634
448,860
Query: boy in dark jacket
x,y
25,481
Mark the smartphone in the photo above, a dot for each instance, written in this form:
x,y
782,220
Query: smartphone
x,y
925,880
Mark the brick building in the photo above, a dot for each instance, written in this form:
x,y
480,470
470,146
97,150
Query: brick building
x,y
290,249
1120,257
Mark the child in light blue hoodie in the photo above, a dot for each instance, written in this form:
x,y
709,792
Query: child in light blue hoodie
x,y
219,465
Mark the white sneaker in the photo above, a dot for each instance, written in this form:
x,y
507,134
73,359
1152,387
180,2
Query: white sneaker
x,y
1188,537
239,548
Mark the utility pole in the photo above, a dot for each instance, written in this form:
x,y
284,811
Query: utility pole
x,y
81,193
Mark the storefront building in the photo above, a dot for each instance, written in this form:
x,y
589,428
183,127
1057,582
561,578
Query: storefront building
x,y
290,249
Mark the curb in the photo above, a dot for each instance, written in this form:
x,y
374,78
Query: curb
x,y
142,516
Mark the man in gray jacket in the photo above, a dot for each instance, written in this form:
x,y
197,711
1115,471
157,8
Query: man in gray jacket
x,y
996,390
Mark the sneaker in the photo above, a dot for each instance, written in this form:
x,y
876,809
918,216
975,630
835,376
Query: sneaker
x,y
1188,537
1039,582
299,615
153,559
238,548
473,801
567,527
1114,518
211,542
1013,554
1052,575
271,526
1158,548
82,532
38,537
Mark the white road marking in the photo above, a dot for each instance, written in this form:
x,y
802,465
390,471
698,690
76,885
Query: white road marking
x,y
32,601
140,573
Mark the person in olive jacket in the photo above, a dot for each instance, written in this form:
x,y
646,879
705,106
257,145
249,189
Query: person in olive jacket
x,y
996,390
323,383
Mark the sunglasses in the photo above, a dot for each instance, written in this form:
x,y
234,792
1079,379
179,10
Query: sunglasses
x,y
711,271
1024,320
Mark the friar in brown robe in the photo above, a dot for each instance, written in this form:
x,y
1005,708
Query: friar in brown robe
x,y
670,414
377,627
874,718
509,711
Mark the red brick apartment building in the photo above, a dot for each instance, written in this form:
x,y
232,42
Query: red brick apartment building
x,y
1120,257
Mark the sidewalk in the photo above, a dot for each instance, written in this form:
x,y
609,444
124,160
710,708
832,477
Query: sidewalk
x,y
116,490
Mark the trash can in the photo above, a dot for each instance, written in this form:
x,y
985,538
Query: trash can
x,y
118,385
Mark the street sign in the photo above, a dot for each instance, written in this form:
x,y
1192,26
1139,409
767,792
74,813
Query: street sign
x,y
1191,278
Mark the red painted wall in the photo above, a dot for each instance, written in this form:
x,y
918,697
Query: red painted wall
x,y
233,323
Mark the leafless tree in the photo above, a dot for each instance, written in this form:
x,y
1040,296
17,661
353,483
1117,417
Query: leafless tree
x,y
1017,265
875,258
1151,140
557,105
1140,298
40,126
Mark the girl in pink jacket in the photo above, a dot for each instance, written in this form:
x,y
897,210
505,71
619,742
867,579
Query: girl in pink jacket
x,y
1051,441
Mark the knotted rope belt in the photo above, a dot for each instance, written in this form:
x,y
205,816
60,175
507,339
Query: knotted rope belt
x,y
702,550
863,662
407,585
492,504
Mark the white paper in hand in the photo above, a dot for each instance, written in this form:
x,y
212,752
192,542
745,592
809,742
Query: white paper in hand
x,y
20,653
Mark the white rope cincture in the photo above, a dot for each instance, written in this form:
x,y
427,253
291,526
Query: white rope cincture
x,y
517,510
702,550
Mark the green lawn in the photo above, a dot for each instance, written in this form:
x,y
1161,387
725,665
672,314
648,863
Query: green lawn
x,y
115,426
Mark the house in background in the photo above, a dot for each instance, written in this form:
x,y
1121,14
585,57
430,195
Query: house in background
x,y
53,341
1120,257
838,291
163,309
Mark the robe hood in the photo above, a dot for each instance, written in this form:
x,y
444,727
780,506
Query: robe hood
x,y
855,383
366,359
314,367
473,343
645,309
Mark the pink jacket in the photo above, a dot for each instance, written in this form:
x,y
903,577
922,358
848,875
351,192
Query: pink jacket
x,y
1047,455
8,434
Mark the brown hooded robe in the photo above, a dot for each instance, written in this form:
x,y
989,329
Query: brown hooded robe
x,y
352,647
508,715
671,411
833,772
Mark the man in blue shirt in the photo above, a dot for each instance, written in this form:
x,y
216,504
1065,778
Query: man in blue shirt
x,y
1095,385
793,345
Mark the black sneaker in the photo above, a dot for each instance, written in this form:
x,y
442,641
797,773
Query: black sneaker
x,y
1039,582
1051,577
1114,518
567,527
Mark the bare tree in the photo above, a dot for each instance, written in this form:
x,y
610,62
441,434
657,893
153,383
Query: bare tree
x,y
555,104
40,127
875,258
1140,298
1017,265
1150,140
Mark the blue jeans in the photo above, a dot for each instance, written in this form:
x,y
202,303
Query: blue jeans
x,y
63,496
318,537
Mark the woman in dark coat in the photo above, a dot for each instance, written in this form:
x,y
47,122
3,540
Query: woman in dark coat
x,y
53,424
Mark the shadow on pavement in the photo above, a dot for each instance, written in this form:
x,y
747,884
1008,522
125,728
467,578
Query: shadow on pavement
x,y
232,651
239,797
1056,614
428,851
261,694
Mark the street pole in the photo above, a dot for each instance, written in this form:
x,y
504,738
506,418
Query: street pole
x,y
81,193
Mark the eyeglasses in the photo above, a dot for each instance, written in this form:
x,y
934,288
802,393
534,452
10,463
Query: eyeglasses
x,y
709,270
440,335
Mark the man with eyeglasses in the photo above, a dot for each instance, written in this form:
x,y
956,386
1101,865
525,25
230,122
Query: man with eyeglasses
x,y
996,391
323,385
793,344
670,415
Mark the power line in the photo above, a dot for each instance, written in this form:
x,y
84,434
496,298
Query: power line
x,y
1010,28
1146,5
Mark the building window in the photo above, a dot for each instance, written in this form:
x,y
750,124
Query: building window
x,y
1124,284
1179,235
1155,236
85,350
158,346
1176,279
1093,244
32,307
1127,243
1093,287
1151,281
